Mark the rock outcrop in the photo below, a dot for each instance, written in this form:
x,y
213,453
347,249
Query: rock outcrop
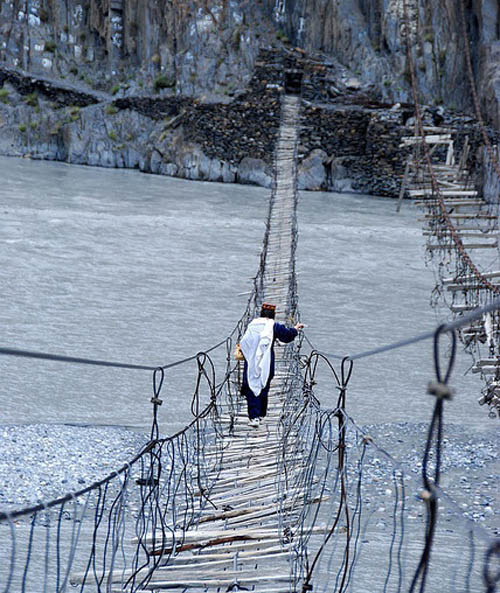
x,y
209,47
368,37
187,88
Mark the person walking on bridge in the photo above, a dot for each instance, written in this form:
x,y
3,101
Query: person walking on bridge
x,y
257,348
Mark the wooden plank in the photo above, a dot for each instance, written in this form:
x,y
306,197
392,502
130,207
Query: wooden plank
x,y
252,554
220,582
450,155
491,370
269,493
472,331
487,362
443,192
463,216
197,534
465,287
437,130
459,228
239,482
462,308
429,139
451,245
241,547
456,203
230,560
465,153
213,537
487,275
464,234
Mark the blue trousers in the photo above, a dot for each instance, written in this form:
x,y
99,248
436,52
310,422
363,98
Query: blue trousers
x,y
257,405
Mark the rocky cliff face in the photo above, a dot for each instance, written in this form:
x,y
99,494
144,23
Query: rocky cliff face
x,y
191,88
130,46
366,35
208,47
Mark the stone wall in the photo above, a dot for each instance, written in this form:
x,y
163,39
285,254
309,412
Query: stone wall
x,y
208,47
348,141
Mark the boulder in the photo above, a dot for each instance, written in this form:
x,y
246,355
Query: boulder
x,y
312,172
340,181
254,172
228,173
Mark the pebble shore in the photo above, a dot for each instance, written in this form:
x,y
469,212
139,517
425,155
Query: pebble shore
x,y
469,466
41,462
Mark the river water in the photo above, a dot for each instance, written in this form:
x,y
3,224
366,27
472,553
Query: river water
x,y
136,268
118,265
146,269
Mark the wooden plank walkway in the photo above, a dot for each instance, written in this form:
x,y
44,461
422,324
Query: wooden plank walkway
x,y
240,540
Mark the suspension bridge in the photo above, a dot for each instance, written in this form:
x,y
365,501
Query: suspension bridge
x,y
308,501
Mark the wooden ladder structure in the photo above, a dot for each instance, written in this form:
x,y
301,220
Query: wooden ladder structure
x,y
474,222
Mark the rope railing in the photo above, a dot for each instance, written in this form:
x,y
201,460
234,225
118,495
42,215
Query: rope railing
x,y
119,531
447,327
351,483
4,351
121,528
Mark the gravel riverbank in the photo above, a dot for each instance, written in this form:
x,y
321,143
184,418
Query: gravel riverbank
x,y
470,469
41,462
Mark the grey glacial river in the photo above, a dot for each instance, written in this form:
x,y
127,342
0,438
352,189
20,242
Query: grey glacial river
x,y
122,266
145,269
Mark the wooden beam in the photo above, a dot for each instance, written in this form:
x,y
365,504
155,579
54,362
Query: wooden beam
x,y
456,203
429,139
466,287
487,275
444,192
466,246
404,186
463,234
462,308
462,216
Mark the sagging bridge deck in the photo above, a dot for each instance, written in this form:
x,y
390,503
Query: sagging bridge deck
x,y
240,537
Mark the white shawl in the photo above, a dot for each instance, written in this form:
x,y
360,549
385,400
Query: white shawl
x,y
256,347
